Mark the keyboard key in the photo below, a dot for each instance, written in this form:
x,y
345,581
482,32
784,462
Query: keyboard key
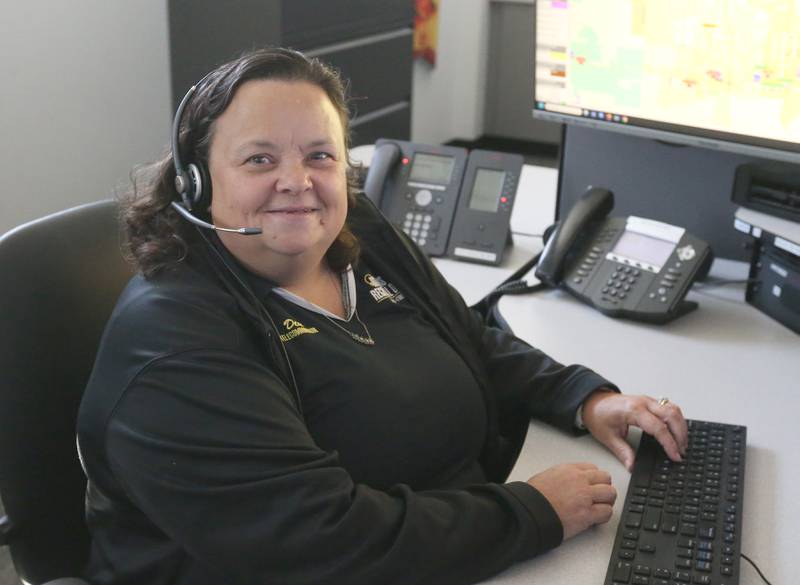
x,y
669,524
627,555
652,518
707,531
622,572
633,520
685,553
641,570
647,548
704,566
682,576
683,564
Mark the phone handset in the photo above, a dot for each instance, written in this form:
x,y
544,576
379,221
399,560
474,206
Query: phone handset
x,y
383,162
594,205
416,186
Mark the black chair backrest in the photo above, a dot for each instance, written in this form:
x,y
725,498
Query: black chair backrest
x,y
60,277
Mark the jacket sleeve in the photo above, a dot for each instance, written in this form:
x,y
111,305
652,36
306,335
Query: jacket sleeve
x,y
523,378
209,445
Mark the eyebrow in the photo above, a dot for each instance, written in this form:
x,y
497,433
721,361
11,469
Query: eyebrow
x,y
270,145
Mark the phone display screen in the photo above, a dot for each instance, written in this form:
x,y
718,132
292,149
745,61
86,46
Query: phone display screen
x,y
487,190
643,248
432,168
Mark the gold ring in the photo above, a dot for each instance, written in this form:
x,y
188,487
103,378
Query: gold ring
x,y
663,400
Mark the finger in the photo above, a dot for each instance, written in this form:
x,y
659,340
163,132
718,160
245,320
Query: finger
x,y
598,476
671,414
601,513
622,451
603,494
653,425
586,466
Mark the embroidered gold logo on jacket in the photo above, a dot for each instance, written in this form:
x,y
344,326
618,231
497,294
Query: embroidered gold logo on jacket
x,y
295,329
382,290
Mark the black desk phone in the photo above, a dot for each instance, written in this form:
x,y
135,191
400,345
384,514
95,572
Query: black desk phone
x,y
623,266
447,200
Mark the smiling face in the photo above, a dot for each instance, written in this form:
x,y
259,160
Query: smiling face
x,y
277,161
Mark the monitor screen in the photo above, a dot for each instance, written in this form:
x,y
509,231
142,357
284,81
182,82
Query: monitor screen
x,y
487,190
713,73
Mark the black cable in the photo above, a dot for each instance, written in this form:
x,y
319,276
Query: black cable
x,y
760,574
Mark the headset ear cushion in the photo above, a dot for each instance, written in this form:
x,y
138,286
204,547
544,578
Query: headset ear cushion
x,y
197,187
202,192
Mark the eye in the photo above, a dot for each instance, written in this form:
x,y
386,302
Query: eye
x,y
321,155
259,159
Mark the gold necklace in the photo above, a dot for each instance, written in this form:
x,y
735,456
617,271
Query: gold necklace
x,y
345,295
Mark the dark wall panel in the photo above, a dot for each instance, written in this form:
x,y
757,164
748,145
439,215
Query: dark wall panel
x,y
682,185
314,23
376,72
395,125
204,34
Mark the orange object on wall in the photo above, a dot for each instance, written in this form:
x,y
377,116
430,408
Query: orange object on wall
x,y
426,25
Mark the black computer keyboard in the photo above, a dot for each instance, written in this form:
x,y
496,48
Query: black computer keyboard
x,y
682,522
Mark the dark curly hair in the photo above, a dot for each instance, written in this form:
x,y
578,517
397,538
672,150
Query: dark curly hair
x,y
155,236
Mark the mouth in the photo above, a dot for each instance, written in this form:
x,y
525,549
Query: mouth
x,y
293,210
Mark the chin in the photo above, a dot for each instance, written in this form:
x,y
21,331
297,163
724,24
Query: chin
x,y
295,248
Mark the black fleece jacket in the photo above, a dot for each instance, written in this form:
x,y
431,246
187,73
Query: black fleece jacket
x,y
201,469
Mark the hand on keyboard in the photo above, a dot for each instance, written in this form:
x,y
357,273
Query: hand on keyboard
x,y
608,415
580,493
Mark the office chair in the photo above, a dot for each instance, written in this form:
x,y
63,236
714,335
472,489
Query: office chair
x,y
60,277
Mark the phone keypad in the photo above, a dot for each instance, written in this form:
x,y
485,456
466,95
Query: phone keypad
x,y
620,283
421,227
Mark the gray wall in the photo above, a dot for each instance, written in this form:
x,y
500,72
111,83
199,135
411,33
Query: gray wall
x,y
85,95
447,100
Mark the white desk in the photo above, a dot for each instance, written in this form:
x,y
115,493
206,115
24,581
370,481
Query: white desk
x,y
724,362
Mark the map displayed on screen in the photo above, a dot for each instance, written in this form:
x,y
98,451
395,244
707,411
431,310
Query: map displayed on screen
x,y
731,66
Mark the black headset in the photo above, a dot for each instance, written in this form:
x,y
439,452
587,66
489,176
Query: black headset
x,y
193,182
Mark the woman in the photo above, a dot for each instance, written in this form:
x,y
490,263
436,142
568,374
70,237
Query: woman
x,y
314,403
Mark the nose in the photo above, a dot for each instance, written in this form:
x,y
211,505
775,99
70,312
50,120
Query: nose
x,y
293,176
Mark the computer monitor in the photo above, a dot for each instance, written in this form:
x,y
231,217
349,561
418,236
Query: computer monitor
x,y
720,74
662,100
